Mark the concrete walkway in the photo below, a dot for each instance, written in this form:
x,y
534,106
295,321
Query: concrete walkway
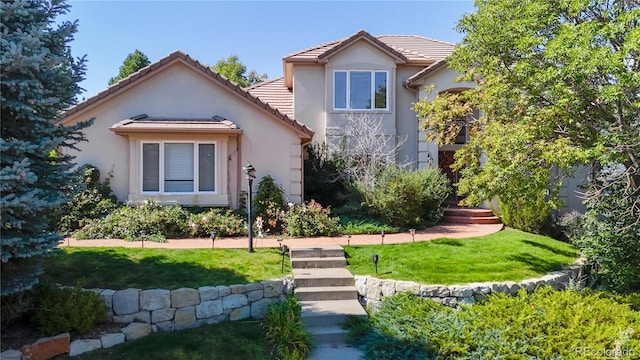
x,y
454,231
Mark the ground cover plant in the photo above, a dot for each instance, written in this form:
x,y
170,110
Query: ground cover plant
x,y
507,255
224,341
121,268
547,324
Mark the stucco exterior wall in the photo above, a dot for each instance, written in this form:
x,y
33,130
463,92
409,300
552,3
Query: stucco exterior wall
x,y
309,98
181,91
406,119
361,56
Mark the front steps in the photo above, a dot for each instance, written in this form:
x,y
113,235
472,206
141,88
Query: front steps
x,y
326,293
459,215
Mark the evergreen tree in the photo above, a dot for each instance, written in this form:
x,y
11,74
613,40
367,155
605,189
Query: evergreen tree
x,y
39,79
132,63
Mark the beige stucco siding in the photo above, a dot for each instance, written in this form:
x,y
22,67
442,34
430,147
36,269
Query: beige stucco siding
x,y
406,119
361,56
180,91
309,98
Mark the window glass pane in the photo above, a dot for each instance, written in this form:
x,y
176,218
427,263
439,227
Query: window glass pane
x,y
150,167
381,90
178,167
360,90
206,167
340,90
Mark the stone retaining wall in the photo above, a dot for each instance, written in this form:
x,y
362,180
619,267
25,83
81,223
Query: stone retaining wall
x,y
142,312
372,290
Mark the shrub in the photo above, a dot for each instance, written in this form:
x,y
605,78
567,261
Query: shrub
x,y
323,181
268,204
285,330
223,221
544,325
14,307
93,200
408,198
365,226
61,310
150,220
310,219
524,213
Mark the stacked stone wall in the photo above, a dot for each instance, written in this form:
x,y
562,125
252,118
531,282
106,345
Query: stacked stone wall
x,y
372,290
142,312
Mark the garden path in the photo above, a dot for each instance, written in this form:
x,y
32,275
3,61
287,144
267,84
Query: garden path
x,y
454,231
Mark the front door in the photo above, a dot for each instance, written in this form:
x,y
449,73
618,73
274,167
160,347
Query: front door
x,y
445,160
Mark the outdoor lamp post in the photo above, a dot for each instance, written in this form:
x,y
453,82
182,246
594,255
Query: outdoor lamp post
x,y
375,259
68,235
413,234
382,236
250,173
284,249
213,238
349,240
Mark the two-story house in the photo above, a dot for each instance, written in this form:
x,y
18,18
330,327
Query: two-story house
x,y
178,132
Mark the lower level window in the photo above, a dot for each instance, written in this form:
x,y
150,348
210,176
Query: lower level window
x,y
178,167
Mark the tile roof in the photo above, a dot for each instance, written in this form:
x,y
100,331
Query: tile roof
x,y
176,56
413,47
274,93
414,79
146,124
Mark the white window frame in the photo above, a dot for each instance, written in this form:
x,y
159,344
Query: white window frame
x,y
196,167
348,90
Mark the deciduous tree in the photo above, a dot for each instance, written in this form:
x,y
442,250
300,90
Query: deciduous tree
x,y
558,84
233,69
39,79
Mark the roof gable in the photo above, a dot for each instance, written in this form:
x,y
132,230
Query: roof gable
x,y
404,49
166,62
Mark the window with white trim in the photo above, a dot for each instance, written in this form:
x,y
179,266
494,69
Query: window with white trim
x,y
360,90
178,167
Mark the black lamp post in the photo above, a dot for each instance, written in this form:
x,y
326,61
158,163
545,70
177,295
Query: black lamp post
x,y
250,173
283,249
142,236
213,238
413,234
349,240
375,259
382,236
68,235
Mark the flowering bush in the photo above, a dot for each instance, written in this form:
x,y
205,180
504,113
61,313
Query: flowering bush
x,y
310,219
223,221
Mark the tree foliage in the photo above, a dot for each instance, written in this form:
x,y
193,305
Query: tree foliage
x,y
40,78
233,69
132,63
558,84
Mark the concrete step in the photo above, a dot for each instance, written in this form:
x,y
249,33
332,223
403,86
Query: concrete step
x,y
335,352
316,252
318,262
326,293
328,335
322,277
468,212
330,312
471,220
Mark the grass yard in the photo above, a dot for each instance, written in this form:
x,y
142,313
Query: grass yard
x,y
121,268
225,341
506,255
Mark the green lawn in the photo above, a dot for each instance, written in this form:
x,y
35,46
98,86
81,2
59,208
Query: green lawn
x,y
121,268
225,341
506,255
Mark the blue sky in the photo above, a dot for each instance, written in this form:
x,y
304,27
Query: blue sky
x,y
259,32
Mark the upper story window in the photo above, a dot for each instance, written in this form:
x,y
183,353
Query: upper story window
x,y
360,90
178,167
